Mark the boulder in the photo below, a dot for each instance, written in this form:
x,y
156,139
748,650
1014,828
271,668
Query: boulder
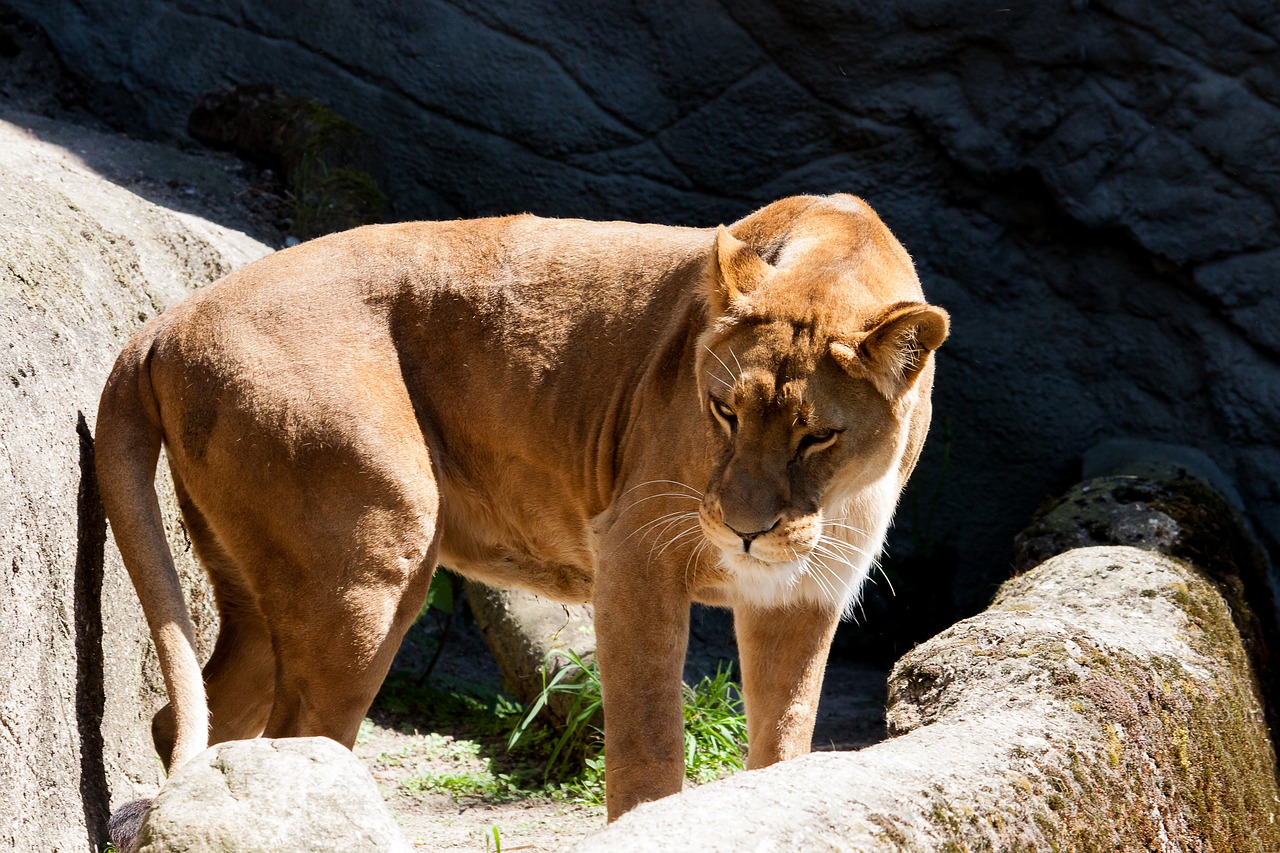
x,y
287,795
1112,697
1103,702
84,260
525,631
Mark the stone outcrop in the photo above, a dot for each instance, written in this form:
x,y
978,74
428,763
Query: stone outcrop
x,y
1088,187
524,631
290,795
1108,699
83,262
1103,702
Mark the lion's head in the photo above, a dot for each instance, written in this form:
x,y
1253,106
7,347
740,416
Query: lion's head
x,y
811,373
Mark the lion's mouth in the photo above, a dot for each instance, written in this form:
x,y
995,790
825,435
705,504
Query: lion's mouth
x,y
769,550
753,562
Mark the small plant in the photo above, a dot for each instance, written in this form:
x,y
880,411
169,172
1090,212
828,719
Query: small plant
x,y
582,735
497,840
459,784
715,729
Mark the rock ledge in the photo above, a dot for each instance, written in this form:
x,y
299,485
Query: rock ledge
x,y
1104,701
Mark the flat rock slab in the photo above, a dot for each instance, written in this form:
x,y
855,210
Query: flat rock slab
x,y
1103,702
282,795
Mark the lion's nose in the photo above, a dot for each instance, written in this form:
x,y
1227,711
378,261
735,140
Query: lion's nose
x,y
748,538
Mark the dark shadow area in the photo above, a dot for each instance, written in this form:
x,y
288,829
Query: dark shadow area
x,y
91,697
213,186
41,94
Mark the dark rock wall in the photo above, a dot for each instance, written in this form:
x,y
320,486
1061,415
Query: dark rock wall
x,y
1089,187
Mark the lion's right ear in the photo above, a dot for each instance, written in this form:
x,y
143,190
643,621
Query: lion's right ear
x,y
737,272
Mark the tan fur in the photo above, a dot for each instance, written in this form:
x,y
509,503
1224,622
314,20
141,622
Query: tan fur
x,y
534,403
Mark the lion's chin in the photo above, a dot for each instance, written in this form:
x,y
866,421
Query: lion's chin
x,y
759,583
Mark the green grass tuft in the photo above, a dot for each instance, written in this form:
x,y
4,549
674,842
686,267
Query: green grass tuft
x,y
715,730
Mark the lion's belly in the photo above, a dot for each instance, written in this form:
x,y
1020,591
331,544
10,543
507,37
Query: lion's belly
x,y
505,542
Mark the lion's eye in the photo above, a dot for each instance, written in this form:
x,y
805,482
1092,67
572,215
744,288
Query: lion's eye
x,y
818,440
724,413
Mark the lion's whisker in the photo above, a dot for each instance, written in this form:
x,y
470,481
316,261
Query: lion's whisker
x,y
672,523
653,482
695,529
885,575
676,516
807,567
837,542
837,522
693,555
837,549
722,364
846,585
639,501
673,519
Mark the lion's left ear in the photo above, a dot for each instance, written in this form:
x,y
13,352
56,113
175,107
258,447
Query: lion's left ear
x,y
738,271
894,351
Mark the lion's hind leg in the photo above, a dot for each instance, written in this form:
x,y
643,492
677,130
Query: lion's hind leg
x,y
334,639
240,674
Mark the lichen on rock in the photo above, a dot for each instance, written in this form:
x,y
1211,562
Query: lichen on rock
x,y
1104,702
1165,508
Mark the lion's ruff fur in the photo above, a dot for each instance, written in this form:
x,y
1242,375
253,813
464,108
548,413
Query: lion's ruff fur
x,y
639,416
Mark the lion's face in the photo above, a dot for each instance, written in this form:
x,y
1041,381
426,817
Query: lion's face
x,y
810,415
798,437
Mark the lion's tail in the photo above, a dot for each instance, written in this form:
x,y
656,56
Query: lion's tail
x,y
127,448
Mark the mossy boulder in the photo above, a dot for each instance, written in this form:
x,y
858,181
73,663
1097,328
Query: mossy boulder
x,y
1164,507
1104,702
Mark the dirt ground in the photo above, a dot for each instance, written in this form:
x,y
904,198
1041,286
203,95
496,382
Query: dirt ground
x,y
404,743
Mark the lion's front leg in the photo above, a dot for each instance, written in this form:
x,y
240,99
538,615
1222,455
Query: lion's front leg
x,y
784,654
642,630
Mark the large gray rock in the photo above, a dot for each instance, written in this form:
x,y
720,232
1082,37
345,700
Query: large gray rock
x,y
1103,702
83,262
1088,187
289,795
528,636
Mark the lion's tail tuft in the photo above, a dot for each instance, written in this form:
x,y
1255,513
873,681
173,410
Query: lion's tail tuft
x,y
126,823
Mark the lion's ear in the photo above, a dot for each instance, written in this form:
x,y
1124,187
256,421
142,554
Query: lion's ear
x,y
738,270
894,351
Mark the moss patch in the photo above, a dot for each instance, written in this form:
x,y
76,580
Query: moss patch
x,y
1180,516
326,160
1179,760
1152,735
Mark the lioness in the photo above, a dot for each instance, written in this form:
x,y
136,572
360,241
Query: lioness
x,y
638,416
